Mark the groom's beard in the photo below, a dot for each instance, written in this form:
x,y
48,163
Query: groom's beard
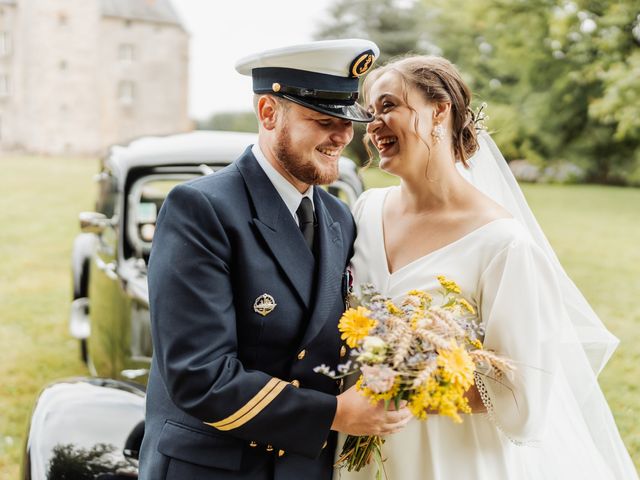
x,y
301,164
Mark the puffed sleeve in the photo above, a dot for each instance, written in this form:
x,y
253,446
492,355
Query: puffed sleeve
x,y
358,206
520,304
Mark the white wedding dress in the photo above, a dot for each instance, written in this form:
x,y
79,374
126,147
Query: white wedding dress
x,y
534,428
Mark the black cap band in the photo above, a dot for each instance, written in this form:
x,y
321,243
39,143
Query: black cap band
x,y
264,78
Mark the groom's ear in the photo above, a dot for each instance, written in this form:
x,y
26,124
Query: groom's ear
x,y
441,111
267,111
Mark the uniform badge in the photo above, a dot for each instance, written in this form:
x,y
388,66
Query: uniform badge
x,y
264,304
362,63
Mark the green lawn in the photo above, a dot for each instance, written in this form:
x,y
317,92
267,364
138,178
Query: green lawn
x,y
595,231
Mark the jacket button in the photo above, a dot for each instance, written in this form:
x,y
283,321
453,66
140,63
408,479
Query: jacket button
x,y
302,354
280,453
343,351
269,448
295,383
253,444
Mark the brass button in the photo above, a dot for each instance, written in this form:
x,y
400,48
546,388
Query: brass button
x,y
295,383
280,453
269,448
324,445
343,351
275,87
253,444
302,354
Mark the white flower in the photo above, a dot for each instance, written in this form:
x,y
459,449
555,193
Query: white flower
x,y
374,345
378,379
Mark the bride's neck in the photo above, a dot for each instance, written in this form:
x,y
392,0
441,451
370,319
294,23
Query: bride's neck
x,y
440,187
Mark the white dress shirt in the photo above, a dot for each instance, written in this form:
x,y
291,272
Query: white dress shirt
x,y
289,194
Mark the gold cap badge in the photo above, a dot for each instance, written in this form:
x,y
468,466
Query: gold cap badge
x,y
264,304
362,63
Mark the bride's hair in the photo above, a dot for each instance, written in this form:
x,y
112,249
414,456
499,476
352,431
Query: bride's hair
x,y
439,81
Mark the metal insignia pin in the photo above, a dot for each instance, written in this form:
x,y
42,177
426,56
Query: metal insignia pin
x,y
264,304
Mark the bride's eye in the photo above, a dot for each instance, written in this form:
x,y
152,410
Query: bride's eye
x,y
386,106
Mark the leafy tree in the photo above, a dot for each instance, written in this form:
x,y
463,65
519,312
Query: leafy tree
x,y
560,76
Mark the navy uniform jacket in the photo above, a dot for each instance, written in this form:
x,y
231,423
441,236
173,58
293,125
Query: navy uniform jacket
x,y
231,393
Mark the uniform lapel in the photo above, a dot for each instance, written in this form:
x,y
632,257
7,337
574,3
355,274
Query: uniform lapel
x,y
330,269
278,228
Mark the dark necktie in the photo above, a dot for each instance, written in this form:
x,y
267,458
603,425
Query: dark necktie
x,y
306,220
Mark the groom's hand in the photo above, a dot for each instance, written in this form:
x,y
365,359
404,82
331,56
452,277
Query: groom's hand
x,y
355,415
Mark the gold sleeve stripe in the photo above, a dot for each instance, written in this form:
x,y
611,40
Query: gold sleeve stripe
x,y
253,407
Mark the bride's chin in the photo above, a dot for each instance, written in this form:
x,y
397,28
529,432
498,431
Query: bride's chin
x,y
387,164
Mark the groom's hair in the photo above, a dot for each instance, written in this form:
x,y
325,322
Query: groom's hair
x,y
440,82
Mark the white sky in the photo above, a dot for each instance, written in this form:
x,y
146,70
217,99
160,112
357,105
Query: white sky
x,y
222,32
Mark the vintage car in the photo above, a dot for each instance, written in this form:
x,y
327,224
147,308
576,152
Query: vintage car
x,y
92,427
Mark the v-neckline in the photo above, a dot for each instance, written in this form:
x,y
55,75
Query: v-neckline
x,y
383,245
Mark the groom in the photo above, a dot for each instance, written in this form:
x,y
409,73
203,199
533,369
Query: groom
x,y
246,288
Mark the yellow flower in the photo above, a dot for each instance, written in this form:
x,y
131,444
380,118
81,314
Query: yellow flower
x,y
449,285
355,324
376,397
467,306
424,297
475,343
457,365
439,397
392,309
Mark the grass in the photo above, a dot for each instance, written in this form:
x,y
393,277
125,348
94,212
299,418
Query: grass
x,y
593,229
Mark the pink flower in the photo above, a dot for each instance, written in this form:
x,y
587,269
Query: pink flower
x,y
377,378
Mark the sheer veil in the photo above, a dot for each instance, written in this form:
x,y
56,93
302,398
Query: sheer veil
x,y
586,344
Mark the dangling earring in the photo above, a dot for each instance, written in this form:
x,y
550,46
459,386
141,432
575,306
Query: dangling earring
x,y
438,133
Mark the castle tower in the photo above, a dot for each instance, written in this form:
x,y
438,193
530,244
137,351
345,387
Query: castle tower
x,y
80,75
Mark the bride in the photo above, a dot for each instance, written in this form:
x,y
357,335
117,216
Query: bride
x,y
458,212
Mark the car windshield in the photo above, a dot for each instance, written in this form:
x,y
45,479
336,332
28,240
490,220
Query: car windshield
x,y
144,201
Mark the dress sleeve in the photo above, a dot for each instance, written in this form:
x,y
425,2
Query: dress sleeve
x,y
358,207
520,304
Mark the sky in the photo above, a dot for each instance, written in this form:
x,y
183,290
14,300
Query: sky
x,y
223,32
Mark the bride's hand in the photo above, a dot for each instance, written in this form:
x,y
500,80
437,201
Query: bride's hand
x,y
475,401
356,415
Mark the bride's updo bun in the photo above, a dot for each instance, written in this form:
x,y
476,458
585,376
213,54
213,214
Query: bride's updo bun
x,y
439,81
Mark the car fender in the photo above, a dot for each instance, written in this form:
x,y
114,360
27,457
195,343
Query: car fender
x,y
83,247
94,424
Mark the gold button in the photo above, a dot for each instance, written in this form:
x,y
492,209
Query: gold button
x,y
269,448
343,351
280,453
324,445
253,444
295,383
302,354
275,87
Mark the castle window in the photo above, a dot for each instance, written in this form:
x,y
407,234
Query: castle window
x,y
126,52
126,92
63,19
4,86
5,44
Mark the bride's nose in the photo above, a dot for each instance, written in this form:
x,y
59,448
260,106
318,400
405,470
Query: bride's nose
x,y
375,124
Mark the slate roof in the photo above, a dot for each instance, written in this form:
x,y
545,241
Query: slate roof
x,y
157,11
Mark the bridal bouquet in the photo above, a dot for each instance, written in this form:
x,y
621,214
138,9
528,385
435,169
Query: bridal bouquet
x,y
418,352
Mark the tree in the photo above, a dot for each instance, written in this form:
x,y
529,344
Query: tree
x,y
560,76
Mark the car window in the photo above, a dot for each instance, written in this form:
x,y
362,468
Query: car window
x,y
144,202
